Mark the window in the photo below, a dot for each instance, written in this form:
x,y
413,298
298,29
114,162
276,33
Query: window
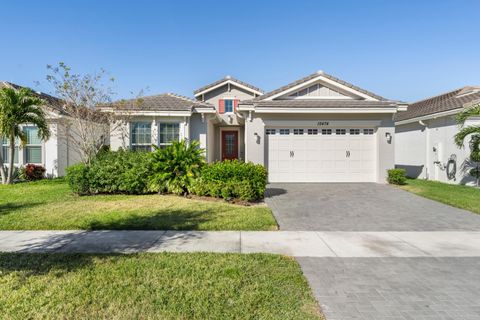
x,y
327,131
168,132
367,131
340,131
33,148
228,105
270,131
297,131
354,132
284,131
141,136
312,131
6,151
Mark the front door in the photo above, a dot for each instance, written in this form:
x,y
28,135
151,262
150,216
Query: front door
x,y
229,145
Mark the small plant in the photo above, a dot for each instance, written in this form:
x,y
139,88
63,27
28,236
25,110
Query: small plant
x,y
176,167
32,172
397,176
231,180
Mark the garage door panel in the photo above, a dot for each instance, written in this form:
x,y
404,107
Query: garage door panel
x,y
321,158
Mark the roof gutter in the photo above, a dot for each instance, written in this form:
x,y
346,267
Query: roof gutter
x,y
430,116
321,110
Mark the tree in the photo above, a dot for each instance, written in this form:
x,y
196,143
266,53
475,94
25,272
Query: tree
x,y
19,107
474,143
86,99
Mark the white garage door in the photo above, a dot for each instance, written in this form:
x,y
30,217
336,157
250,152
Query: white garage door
x,y
321,155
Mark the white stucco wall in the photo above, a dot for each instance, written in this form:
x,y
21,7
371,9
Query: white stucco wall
x,y
415,147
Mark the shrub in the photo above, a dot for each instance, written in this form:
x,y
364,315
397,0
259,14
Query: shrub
x,y
231,180
112,172
176,166
397,176
32,172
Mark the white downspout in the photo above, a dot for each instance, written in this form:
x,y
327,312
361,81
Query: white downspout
x,y
427,152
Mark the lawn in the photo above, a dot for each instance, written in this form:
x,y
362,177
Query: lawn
x,y
462,197
49,205
153,286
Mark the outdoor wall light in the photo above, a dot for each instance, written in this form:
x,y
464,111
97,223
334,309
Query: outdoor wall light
x,y
388,136
257,138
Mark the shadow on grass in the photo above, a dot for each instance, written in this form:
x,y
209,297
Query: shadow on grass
x,y
11,207
165,219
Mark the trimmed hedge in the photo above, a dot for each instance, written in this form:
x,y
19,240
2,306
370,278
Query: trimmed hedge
x,y
397,176
231,180
112,172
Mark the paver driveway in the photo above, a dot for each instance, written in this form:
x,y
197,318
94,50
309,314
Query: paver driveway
x,y
381,288
361,207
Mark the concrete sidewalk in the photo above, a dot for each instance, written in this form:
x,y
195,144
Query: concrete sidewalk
x,y
292,243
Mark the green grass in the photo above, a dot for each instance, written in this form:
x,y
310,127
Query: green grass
x,y
49,205
153,286
462,197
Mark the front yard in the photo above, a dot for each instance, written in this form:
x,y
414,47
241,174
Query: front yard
x,y
50,205
153,286
462,197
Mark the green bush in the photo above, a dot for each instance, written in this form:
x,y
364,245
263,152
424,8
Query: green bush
x,y
231,180
112,172
176,167
397,176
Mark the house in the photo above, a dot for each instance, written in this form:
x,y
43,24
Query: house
x,y
316,129
55,154
425,137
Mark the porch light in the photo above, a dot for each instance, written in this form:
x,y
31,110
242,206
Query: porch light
x,y
388,136
257,137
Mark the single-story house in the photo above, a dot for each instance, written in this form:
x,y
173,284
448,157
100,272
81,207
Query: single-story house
x,y
315,129
425,137
56,153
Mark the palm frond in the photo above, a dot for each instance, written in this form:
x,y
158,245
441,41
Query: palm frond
x,y
473,111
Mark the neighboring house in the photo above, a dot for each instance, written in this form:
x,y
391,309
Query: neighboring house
x,y
425,137
55,154
316,129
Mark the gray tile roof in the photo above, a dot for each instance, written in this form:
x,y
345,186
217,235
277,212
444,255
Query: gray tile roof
x,y
320,103
213,84
161,102
53,102
312,76
455,99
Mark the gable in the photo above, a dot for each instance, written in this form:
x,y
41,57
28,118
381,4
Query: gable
x,y
317,91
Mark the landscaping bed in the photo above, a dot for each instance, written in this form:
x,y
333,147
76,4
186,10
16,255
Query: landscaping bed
x,y
153,286
51,205
458,196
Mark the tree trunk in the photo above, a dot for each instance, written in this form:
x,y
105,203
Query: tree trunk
x,y
12,156
3,173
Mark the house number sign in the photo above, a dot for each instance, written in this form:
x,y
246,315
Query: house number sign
x,y
323,123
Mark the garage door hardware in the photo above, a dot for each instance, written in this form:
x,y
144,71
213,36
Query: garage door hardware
x,y
292,154
347,154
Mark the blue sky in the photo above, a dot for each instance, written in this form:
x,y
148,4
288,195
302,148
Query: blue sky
x,y
404,50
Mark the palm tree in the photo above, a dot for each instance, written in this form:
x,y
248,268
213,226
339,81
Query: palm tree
x,y
19,107
474,131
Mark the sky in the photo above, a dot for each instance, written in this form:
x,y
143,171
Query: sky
x,y
403,50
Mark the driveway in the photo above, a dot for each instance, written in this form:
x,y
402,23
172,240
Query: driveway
x,y
436,287
361,207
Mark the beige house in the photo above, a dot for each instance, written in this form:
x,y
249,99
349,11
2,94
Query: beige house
x,y
316,129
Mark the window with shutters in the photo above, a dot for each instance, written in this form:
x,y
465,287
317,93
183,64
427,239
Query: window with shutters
x,y
228,105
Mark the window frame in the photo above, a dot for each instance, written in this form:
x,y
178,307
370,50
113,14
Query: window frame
x,y
139,146
28,146
5,151
159,127
232,101
270,131
284,132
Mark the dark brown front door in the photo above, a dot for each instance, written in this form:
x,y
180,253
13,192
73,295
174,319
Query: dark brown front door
x,y
229,145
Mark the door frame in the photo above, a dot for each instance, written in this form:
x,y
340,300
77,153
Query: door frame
x,y
222,129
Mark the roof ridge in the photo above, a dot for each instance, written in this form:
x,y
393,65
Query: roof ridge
x,y
227,78
318,74
439,95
